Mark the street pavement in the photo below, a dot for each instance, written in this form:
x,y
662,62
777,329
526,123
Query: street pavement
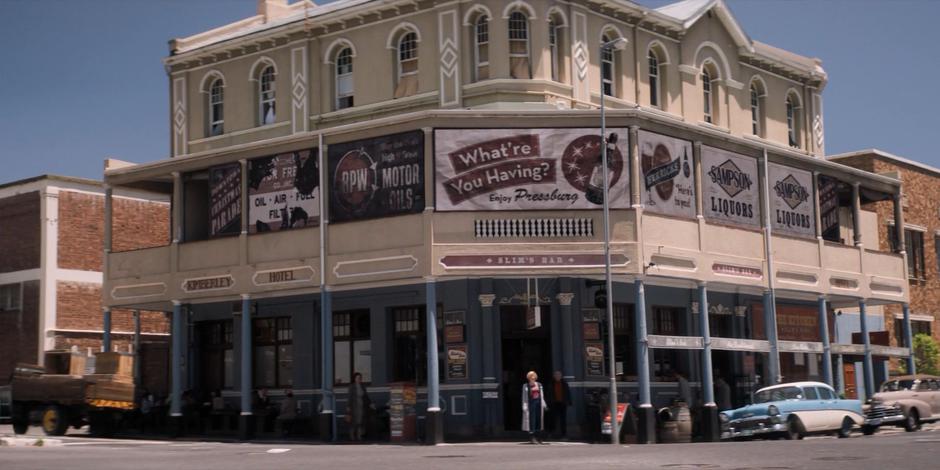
x,y
889,449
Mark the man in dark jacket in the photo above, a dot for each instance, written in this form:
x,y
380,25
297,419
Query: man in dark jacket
x,y
560,395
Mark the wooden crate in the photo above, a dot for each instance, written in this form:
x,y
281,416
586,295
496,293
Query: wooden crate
x,y
114,363
108,388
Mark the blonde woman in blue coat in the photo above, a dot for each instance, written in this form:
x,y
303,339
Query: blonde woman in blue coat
x,y
533,408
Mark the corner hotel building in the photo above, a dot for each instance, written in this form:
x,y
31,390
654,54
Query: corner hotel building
x,y
393,187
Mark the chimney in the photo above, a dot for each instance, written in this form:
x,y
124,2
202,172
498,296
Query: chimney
x,y
272,9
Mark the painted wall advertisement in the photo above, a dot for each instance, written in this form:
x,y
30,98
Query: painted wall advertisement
x,y
594,358
791,200
284,191
731,192
667,185
829,208
527,169
377,177
457,361
225,200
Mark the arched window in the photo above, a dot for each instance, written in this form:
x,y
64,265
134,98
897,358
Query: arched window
x,y
266,102
344,79
481,37
607,68
793,121
407,65
757,108
519,46
553,32
707,95
655,78
215,109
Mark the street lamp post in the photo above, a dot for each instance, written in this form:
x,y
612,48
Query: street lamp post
x,y
616,45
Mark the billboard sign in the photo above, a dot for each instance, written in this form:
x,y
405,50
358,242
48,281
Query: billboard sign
x,y
527,169
284,191
791,200
225,200
667,185
730,187
377,177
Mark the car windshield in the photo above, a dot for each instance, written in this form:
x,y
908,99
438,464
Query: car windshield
x,y
897,385
778,394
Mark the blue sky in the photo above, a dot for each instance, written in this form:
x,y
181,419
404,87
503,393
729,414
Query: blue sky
x,y
81,80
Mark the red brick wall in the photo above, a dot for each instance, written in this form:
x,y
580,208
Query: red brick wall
x,y
19,232
135,224
20,333
78,307
922,198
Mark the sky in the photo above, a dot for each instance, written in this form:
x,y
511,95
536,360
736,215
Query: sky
x,y
82,80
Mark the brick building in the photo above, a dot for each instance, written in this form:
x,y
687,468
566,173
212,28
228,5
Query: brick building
x,y
921,215
51,232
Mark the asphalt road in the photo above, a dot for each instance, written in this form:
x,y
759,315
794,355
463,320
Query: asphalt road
x,y
886,450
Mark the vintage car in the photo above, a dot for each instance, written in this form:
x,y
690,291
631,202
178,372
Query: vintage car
x,y
793,410
906,401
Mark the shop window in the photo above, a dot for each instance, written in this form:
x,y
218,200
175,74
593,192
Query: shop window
x,y
410,345
918,327
624,344
273,352
217,355
196,206
666,321
10,297
352,346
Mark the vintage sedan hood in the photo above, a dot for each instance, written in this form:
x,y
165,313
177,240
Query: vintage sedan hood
x,y
748,411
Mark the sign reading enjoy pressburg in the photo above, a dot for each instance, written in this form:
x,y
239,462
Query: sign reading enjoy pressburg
x,y
528,169
730,187
284,191
791,200
667,185
377,177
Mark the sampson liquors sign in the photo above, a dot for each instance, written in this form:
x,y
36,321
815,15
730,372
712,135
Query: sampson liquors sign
x,y
527,169
730,187
791,200
667,183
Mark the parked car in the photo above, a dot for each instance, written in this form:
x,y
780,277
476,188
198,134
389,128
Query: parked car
x,y
793,410
907,401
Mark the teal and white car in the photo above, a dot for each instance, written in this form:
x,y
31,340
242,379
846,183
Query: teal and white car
x,y
792,411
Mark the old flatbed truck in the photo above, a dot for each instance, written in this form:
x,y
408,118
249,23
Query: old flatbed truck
x,y
57,400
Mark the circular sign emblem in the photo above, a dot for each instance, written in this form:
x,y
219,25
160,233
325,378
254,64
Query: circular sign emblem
x,y
355,182
583,167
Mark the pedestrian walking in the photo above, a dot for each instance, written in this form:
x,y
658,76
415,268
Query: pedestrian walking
x,y
357,407
533,408
561,400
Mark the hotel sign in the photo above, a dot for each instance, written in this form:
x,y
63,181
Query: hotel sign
x,y
203,284
738,271
568,260
528,169
729,186
283,276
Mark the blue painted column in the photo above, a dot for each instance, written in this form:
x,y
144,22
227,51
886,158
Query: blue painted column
x,y
246,350
328,403
176,360
435,430
106,330
646,434
866,365
824,336
770,328
708,388
908,339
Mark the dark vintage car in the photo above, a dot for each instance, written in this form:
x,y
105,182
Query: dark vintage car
x,y
906,401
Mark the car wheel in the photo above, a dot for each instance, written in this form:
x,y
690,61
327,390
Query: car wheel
x,y
846,429
794,429
912,422
54,421
20,419
869,430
